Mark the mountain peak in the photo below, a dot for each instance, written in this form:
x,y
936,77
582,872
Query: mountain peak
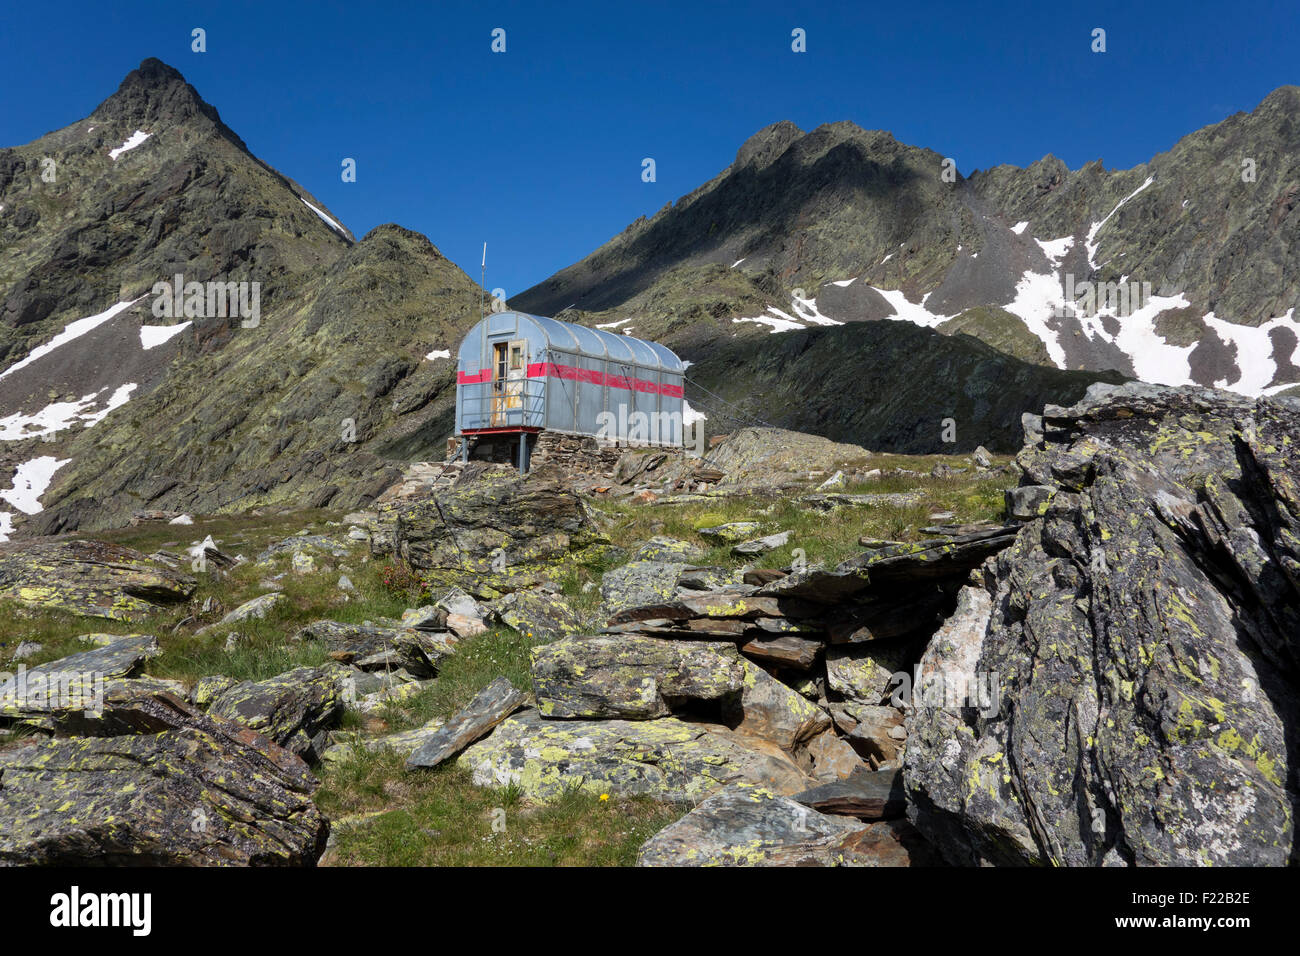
x,y
767,144
156,94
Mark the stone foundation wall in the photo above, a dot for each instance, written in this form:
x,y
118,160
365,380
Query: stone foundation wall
x,y
578,455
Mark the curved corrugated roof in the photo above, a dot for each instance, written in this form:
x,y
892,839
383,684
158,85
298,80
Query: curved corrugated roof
x,y
603,344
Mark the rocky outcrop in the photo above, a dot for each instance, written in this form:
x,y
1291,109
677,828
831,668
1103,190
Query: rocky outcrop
x,y
747,826
165,785
1141,641
493,529
631,678
293,709
667,758
91,578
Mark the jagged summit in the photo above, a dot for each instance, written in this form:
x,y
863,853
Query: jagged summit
x,y
157,95
767,144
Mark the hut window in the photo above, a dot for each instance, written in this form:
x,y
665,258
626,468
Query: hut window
x,y
516,355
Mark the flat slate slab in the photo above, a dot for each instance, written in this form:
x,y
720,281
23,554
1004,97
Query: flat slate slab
x,y
493,704
867,795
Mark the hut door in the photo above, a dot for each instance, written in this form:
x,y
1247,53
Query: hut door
x,y
509,365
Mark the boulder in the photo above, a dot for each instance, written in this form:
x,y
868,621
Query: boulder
x,y
540,614
171,787
491,521
465,617
257,608
639,583
403,742
756,546
1145,633
632,678
666,759
90,578
77,682
291,708
1028,501
831,758
867,795
748,826
767,708
730,532
864,672
783,650
668,551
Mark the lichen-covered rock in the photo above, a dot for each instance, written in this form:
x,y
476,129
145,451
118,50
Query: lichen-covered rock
x,y
541,614
731,531
256,608
403,742
291,708
669,551
667,759
767,708
756,546
632,678
208,689
91,578
494,522
639,583
77,682
1144,635
864,672
751,826
171,786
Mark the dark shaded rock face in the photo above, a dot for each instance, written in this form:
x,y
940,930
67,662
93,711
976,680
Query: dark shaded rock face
x,y
1143,636
166,785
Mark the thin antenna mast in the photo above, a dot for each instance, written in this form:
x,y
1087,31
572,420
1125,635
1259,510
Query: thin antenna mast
x,y
482,286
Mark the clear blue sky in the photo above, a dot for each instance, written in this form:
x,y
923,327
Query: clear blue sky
x,y
538,150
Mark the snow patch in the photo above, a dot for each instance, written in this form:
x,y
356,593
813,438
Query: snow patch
x,y
806,309
324,218
690,416
614,325
1255,360
181,519
30,481
905,311
152,336
1056,249
132,141
438,354
72,330
1020,227
57,416
844,283
6,525
737,262
778,321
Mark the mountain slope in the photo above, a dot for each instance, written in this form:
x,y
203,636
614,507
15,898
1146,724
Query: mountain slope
x,y
109,404
845,225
